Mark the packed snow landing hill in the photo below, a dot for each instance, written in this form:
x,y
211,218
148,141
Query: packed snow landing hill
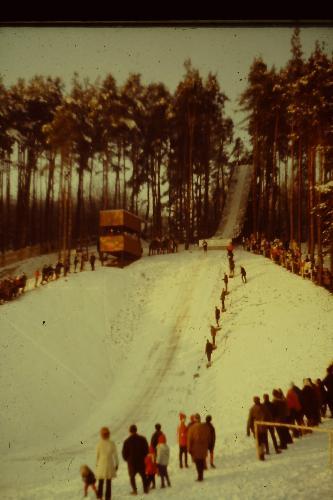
x,y
120,346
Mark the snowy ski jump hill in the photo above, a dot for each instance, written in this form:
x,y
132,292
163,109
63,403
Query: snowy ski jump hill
x,y
120,346
234,210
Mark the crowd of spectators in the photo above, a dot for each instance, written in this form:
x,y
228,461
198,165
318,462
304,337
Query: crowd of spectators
x,y
303,407
289,255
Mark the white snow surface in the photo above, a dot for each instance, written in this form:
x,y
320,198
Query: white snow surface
x,y
120,346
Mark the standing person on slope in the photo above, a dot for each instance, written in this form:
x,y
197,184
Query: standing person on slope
x,y
211,445
162,460
225,279
155,436
217,315
209,349
182,440
205,245
106,463
198,439
135,449
243,274
223,294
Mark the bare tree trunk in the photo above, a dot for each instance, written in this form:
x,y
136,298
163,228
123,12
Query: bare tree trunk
x,y
319,226
299,200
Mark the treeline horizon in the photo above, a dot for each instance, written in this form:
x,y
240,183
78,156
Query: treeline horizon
x,y
167,156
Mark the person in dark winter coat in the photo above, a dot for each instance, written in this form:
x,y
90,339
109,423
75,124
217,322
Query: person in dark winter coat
x,y
135,449
257,414
322,396
280,415
209,349
223,295
310,403
76,261
92,261
155,436
225,279
217,315
267,404
328,384
89,479
231,267
243,274
205,246
211,444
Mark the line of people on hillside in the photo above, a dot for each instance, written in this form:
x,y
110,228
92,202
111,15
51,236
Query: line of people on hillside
x,y
11,288
196,439
288,254
211,345
303,407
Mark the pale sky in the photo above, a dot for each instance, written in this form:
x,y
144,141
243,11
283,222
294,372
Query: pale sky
x,y
157,53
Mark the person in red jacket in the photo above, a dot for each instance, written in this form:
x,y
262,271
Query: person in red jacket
x,y
295,409
150,468
182,440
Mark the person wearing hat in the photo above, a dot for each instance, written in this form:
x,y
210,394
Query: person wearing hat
x,y
198,439
135,449
182,440
106,463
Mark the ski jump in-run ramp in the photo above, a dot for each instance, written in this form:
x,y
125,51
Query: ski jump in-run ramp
x,y
233,214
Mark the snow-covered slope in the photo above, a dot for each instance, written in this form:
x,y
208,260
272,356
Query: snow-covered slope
x,y
115,347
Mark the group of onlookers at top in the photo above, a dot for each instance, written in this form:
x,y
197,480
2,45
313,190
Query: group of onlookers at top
x,y
289,255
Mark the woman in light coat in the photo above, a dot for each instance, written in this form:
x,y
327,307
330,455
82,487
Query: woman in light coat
x,y
106,463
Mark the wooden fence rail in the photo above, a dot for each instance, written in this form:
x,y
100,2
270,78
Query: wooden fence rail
x,y
302,427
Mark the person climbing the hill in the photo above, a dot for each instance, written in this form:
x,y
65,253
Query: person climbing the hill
x,y
106,463
205,245
162,460
217,315
223,295
225,279
211,444
135,449
92,261
198,439
151,468
231,268
155,436
182,440
89,479
213,331
257,414
209,349
243,274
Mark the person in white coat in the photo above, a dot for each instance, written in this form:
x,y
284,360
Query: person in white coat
x,y
106,463
162,460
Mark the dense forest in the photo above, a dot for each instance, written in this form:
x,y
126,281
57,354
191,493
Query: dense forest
x,y
168,157
290,122
64,157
